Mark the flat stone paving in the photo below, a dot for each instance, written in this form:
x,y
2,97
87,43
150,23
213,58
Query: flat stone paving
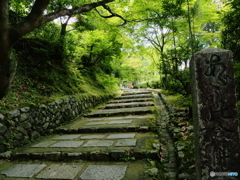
x,y
23,170
98,143
67,144
100,172
121,111
118,144
126,142
66,172
130,100
128,105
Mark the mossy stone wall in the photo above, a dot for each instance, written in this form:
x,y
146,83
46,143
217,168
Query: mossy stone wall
x,y
26,124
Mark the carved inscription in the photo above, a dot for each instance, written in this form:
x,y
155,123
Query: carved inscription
x,y
214,112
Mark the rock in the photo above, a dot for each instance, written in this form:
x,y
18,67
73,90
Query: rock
x,y
25,109
26,125
15,113
6,155
2,117
3,128
24,116
45,126
35,135
23,131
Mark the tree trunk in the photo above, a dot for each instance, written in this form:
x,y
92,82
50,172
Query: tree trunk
x,y
7,65
10,35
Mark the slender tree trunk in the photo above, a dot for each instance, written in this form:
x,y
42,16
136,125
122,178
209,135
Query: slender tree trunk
x,y
10,35
190,28
7,65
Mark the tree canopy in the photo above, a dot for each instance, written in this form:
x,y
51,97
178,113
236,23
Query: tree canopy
x,y
132,40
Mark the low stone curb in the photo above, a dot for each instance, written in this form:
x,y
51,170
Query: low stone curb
x,y
111,155
106,130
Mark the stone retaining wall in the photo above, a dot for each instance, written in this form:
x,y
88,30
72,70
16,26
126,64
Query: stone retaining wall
x,y
29,123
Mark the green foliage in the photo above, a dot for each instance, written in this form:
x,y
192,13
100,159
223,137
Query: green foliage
x,y
49,32
41,77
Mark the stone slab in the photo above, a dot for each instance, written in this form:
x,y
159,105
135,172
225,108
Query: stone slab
x,y
23,170
67,144
44,144
137,117
93,137
120,136
106,172
95,123
126,143
67,137
121,122
96,119
66,172
128,105
109,112
106,119
100,143
131,100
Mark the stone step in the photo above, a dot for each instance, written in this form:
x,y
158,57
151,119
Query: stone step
x,y
92,147
137,170
127,105
130,100
136,92
130,123
133,128
122,111
135,96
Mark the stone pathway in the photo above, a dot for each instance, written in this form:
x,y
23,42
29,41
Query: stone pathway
x,y
117,141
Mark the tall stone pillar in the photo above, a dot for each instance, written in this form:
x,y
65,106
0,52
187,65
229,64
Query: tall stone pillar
x,y
215,114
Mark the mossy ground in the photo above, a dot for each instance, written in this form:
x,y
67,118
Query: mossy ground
x,y
43,75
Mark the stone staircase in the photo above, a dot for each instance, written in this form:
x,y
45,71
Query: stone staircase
x,y
117,141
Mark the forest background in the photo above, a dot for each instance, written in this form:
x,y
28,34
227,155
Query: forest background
x,y
147,44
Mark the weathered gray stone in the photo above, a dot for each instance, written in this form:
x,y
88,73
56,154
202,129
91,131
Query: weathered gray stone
x,y
26,125
35,135
66,137
93,137
6,155
100,143
24,116
14,113
3,128
214,112
96,119
100,172
60,172
117,154
95,123
53,156
121,122
21,130
67,144
23,170
120,136
126,143
42,106
45,126
2,117
44,144
25,109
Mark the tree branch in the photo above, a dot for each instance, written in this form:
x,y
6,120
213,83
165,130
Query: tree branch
x,y
36,18
125,21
